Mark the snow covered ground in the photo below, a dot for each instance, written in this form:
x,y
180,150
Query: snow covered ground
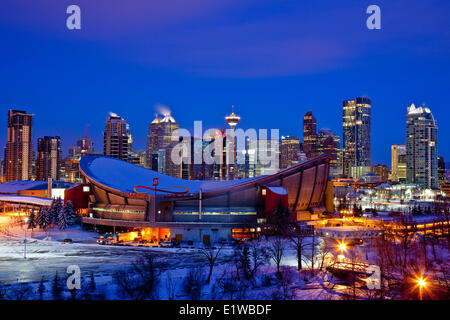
x,y
47,254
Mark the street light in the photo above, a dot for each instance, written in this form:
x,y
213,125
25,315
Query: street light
x,y
421,283
25,239
341,246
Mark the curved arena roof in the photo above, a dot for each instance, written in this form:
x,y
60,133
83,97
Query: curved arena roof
x,y
123,176
305,183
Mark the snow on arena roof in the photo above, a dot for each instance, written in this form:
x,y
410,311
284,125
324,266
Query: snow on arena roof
x,y
124,176
26,199
13,187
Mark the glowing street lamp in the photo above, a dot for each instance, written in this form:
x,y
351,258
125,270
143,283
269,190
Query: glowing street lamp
x,y
342,247
421,283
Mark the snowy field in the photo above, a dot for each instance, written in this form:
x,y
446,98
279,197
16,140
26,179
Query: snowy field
x,y
47,254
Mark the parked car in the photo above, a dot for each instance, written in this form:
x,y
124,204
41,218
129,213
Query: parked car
x,y
166,244
68,240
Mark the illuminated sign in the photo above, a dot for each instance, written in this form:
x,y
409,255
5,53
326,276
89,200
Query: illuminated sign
x,y
185,190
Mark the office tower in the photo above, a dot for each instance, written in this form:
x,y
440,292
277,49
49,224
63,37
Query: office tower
x,y
401,168
74,152
116,137
48,163
328,142
398,163
19,146
138,158
356,123
290,149
268,157
421,147
86,145
441,170
159,136
382,171
230,150
2,171
309,135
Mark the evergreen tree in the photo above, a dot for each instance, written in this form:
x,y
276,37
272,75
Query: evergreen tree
x,y
32,221
56,287
62,220
43,218
55,209
92,285
66,216
41,289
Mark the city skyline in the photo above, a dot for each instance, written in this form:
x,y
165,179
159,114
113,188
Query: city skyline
x,y
99,141
253,57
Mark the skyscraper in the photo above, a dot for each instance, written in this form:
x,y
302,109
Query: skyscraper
x,y
309,135
290,149
160,136
86,145
421,147
398,163
48,163
116,137
356,123
441,170
19,146
382,171
328,142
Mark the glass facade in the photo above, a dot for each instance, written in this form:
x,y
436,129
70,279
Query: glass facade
x,y
421,147
356,135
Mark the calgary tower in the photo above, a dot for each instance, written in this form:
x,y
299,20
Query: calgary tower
x,y
232,121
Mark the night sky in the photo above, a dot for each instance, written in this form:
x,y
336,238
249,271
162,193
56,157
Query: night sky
x,y
273,60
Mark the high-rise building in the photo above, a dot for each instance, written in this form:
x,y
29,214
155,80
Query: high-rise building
x,y
116,137
19,146
441,170
160,136
290,149
398,163
268,157
356,123
86,145
382,171
328,142
309,135
48,163
421,147
137,157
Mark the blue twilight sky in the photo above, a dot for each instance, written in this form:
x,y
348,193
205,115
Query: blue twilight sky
x,y
273,59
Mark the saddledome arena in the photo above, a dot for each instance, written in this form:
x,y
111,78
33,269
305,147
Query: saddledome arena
x,y
122,195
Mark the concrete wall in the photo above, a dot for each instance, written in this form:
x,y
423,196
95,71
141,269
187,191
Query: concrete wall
x,y
196,234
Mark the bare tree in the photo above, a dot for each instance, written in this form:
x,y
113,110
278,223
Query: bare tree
x,y
211,255
249,259
297,238
276,251
231,287
170,285
141,281
193,283
324,252
284,290
405,229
